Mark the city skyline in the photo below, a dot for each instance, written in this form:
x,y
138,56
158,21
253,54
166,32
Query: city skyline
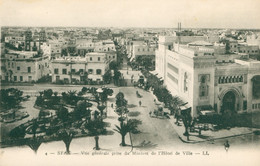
x,y
116,13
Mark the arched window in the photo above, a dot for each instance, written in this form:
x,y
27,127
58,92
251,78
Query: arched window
x,y
98,71
185,82
203,79
203,88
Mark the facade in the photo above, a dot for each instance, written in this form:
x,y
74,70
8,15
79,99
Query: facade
x,y
242,47
69,69
79,69
19,66
208,81
143,50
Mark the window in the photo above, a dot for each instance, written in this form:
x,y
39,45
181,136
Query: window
x,y
98,71
113,56
90,58
203,79
73,70
90,71
39,66
173,68
64,71
21,78
98,58
56,71
15,78
203,88
18,67
29,69
81,70
185,82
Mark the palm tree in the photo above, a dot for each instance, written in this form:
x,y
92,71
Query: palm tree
x,y
66,136
96,127
130,126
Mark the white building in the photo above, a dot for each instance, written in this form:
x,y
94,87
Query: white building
x,y
209,81
79,69
20,66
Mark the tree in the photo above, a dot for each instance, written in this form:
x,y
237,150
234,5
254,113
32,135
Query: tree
x,y
48,93
120,100
107,77
10,98
130,126
63,114
35,126
66,135
186,118
117,76
81,109
113,65
18,132
96,127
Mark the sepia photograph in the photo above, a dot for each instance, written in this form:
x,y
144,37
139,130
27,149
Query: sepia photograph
x,y
129,82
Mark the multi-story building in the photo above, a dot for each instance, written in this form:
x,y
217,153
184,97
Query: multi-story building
x,y
253,40
69,69
85,46
209,81
242,47
143,50
20,66
33,43
80,69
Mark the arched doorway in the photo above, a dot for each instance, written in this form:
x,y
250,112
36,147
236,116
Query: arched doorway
x,y
229,103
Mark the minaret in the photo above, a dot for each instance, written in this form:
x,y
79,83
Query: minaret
x,y
42,37
28,39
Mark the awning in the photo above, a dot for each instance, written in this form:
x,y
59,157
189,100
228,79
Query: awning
x,y
206,110
154,72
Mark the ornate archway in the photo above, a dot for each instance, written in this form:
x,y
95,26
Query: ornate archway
x,y
231,100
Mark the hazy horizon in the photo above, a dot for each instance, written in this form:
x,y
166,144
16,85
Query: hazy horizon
x,y
193,14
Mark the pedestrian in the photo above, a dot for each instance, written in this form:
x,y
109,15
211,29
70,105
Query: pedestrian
x,y
226,145
140,103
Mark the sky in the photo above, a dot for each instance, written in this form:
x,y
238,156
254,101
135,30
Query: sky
x,y
132,13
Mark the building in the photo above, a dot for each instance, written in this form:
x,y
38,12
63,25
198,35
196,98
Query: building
x,y
20,66
69,70
242,47
33,43
143,50
80,69
209,82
